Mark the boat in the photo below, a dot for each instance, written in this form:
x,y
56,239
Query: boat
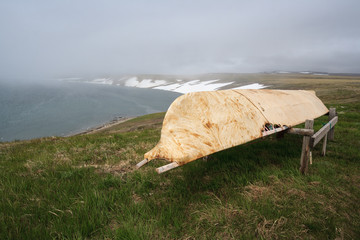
x,y
201,123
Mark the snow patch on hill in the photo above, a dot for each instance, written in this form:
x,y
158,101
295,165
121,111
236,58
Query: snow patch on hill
x,y
108,81
175,85
252,86
145,83
194,86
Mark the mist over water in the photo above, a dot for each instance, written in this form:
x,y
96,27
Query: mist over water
x,y
61,108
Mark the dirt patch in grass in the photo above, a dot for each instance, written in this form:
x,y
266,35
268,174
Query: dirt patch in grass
x,y
256,192
136,198
116,169
32,167
107,157
61,157
133,154
297,193
271,229
114,224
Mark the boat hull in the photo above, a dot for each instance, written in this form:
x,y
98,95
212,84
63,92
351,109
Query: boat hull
x,y
201,123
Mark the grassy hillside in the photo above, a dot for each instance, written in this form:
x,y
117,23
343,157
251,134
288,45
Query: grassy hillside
x,y
86,186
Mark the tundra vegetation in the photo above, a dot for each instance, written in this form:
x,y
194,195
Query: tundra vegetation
x,y
86,186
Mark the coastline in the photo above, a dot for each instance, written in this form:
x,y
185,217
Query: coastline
x,y
101,126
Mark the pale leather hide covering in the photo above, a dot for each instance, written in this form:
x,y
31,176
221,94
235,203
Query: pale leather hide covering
x,y
201,123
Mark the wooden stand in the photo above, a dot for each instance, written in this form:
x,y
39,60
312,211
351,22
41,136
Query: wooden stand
x,y
310,139
305,153
332,115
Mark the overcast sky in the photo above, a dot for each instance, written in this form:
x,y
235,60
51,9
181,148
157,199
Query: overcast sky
x,y
42,38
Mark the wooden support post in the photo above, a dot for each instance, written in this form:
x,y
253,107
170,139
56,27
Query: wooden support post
x,y
323,152
142,163
305,153
332,114
167,167
275,130
316,138
301,131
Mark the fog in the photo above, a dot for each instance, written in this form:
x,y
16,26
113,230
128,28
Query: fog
x,y
51,39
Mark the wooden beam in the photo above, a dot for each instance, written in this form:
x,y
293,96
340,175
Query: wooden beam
x,y
275,130
332,115
305,153
316,138
301,131
323,152
167,167
142,163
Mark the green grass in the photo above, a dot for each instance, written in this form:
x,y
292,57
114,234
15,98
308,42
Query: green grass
x,y
87,187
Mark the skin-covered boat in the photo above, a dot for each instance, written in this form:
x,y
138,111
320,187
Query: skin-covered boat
x,y
201,123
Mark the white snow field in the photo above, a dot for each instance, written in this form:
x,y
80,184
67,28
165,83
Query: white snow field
x,y
178,85
252,86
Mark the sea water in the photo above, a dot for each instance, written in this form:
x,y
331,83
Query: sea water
x,y
32,110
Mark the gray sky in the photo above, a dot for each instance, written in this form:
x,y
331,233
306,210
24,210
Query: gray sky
x,y
42,38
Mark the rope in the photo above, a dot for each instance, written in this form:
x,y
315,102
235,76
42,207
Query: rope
x,y
326,123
